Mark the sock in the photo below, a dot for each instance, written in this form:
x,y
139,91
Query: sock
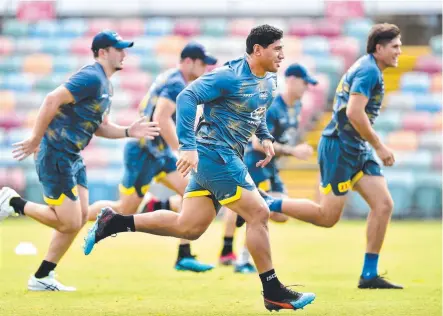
x,y
120,223
44,269
184,251
274,204
370,266
271,285
227,245
18,204
162,205
244,256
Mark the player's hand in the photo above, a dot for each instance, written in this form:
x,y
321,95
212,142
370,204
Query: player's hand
x,y
142,128
302,151
24,148
268,149
386,155
188,160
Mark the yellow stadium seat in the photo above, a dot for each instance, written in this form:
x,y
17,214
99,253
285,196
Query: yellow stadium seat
x,y
436,83
7,101
38,64
403,140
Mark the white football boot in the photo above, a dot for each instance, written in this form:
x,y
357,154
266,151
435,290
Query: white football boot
x,y
6,210
48,283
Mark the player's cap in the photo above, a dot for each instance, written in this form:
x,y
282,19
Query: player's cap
x,y
107,39
197,51
299,71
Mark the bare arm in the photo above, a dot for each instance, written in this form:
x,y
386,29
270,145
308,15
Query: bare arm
x,y
164,109
280,149
357,116
46,113
139,129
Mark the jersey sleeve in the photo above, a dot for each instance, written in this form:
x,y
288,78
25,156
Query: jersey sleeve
x,y
205,89
364,81
83,84
172,90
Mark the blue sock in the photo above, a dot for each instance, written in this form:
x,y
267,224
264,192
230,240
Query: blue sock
x,y
274,204
370,266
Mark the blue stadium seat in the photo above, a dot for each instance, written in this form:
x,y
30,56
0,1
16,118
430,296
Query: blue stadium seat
x,y
65,64
388,121
415,82
73,27
45,29
418,161
33,190
402,186
430,140
400,100
159,26
316,46
11,64
17,82
214,27
59,46
15,28
436,44
428,102
428,194
145,46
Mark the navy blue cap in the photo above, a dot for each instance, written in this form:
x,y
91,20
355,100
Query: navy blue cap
x,y
299,71
107,39
197,51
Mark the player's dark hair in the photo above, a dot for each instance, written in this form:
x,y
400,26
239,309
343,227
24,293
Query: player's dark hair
x,y
95,51
381,34
263,35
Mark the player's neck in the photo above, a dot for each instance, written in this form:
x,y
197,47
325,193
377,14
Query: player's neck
x,y
381,65
109,71
289,100
256,69
185,74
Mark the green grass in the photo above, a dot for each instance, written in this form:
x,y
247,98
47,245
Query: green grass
x,y
133,273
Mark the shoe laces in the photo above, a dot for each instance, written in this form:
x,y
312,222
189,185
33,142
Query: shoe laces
x,y
291,291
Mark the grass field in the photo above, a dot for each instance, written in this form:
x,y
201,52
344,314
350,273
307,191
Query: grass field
x,y
133,275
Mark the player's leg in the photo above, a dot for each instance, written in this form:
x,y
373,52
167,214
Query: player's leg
x,y
227,255
175,181
374,190
127,204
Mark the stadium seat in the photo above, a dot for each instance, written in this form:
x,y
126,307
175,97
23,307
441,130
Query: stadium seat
x,y
347,47
65,64
15,28
82,46
130,28
103,184
402,140
436,122
7,101
30,100
151,64
428,102
132,63
73,27
159,26
436,45
428,194
40,64
317,46
6,45
358,28
400,101
122,100
301,27
293,48
10,121
214,27
401,186
135,81
45,29
415,82
33,190
170,45
95,157
61,46
17,82
328,28
388,121
436,82
430,140
144,46
417,121
241,27
437,161
28,45
187,27
418,161
11,64
429,64
126,116
30,118
98,25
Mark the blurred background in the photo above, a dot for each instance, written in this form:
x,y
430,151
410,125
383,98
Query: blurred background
x,y
43,42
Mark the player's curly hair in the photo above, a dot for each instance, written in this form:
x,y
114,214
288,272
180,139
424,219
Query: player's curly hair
x,y
381,34
263,35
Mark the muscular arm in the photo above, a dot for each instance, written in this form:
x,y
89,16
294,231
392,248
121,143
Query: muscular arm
x,y
49,109
357,116
110,130
164,110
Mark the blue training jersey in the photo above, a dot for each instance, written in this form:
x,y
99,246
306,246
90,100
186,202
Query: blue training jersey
x,y
235,103
167,85
365,78
279,121
74,124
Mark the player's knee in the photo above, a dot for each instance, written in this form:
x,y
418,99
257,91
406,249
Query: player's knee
x,y
259,215
278,217
385,207
70,228
193,233
330,222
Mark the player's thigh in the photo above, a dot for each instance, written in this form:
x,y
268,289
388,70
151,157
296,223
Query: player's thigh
x,y
129,203
175,181
196,214
250,205
375,192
